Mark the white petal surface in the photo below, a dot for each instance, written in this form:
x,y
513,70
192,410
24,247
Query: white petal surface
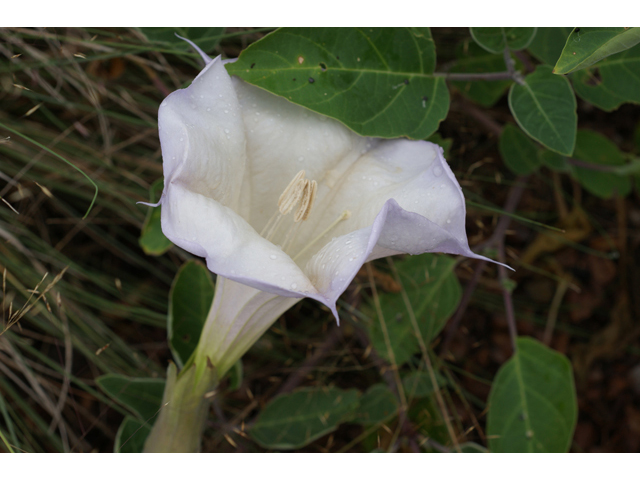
x,y
229,151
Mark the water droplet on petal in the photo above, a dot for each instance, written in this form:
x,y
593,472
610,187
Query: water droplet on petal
x,y
294,286
272,257
437,171
347,242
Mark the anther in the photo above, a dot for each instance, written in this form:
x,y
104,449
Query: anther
x,y
308,196
292,194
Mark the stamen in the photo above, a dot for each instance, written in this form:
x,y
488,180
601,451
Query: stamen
x,y
292,194
343,216
306,203
289,198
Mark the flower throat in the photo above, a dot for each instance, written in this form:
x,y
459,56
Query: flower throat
x,y
300,192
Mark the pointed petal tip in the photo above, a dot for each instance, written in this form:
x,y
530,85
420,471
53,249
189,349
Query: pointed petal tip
x,y
205,57
150,204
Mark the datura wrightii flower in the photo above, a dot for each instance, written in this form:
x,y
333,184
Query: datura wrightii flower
x,y
285,204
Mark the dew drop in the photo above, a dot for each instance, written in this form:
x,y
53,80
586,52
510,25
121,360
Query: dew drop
x,y
347,242
226,130
437,171
226,111
208,109
448,221
272,257
442,185
294,286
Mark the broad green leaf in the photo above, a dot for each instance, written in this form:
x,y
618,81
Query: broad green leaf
x,y
476,60
532,403
594,148
152,240
434,293
142,396
545,108
131,436
377,405
419,384
376,81
296,419
519,153
588,45
496,39
612,82
553,160
548,43
205,37
189,304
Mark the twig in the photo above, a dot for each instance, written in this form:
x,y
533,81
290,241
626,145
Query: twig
x,y
506,295
553,311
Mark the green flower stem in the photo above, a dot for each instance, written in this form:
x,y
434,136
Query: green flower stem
x,y
184,410
239,315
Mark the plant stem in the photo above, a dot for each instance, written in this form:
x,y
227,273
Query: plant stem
x,y
184,410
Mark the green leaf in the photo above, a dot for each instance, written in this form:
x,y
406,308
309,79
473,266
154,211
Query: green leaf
x,y
548,43
376,81
143,396
532,403
594,148
131,436
434,293
545,108
419,385
296,419
496,39
519,153
612,82
553,160
205,37
475,60
588,45
152,240
189,304
377,405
